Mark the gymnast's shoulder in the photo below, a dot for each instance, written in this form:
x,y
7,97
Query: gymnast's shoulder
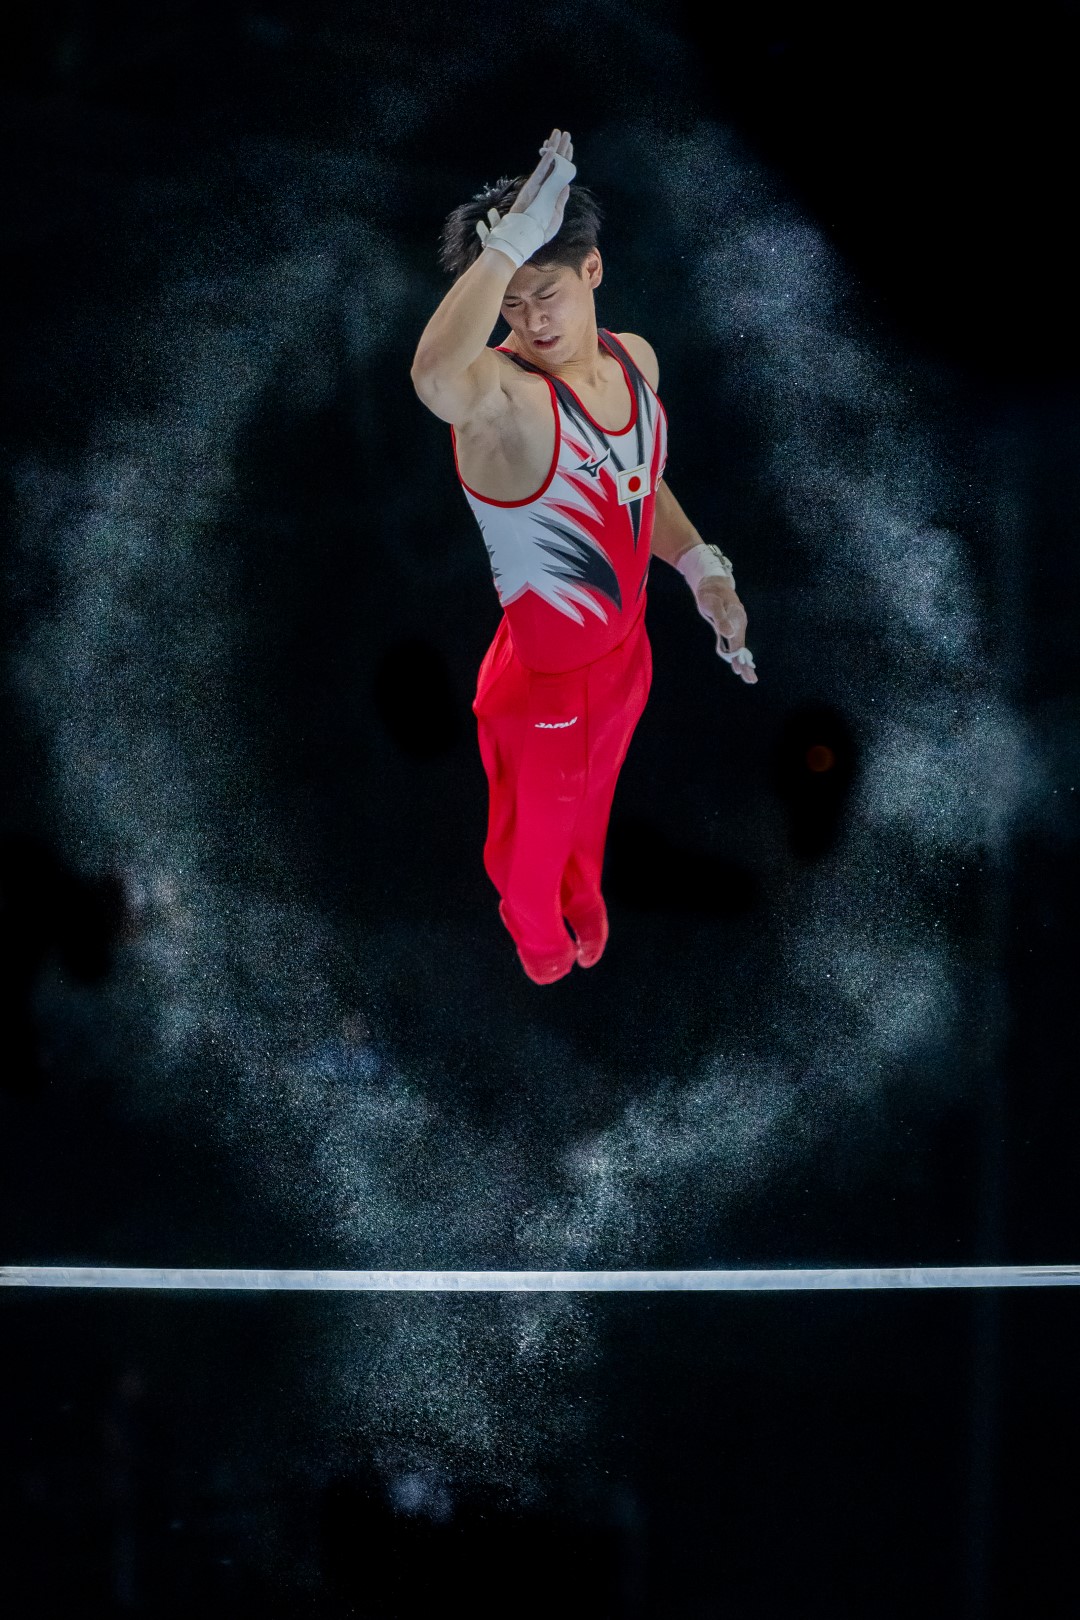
x,y
643,355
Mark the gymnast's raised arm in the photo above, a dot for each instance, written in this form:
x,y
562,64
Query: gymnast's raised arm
x,y
454,372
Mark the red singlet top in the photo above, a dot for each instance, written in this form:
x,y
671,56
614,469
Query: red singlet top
x,y
570,562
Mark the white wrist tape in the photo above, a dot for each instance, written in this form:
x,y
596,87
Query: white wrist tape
x,y
704,562
519,235
516,235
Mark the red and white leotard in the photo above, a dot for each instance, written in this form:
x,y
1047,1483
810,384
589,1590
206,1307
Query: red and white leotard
x,y
570,563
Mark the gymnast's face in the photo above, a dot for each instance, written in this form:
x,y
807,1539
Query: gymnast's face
x,y
550,310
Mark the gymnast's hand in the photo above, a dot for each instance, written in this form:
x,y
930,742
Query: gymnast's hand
x,y
718,603
558,144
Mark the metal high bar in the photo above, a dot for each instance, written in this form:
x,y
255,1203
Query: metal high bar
x,y
772,1280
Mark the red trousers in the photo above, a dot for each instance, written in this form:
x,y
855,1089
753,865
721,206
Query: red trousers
x,y
552,747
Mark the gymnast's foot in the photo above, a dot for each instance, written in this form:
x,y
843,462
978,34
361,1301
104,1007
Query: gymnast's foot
x,y
544,967
591,932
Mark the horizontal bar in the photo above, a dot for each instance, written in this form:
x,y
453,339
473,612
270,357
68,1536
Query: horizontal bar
x,y
541,1282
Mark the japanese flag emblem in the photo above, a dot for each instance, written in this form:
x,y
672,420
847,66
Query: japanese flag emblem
x,y
633,483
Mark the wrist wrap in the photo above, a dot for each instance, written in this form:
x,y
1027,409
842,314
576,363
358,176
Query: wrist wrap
x,y
516,235
704,562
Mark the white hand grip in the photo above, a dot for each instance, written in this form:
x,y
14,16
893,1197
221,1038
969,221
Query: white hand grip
x,y
516,235
542,206
519,235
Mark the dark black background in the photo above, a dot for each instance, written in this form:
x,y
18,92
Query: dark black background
x,y
880,1455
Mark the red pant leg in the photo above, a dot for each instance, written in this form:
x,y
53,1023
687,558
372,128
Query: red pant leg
x,y
500,689
532,732
552,747
618,692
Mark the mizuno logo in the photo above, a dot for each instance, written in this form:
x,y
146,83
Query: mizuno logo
x,y
593,467
554,725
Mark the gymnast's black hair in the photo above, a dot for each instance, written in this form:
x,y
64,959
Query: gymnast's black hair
x,y
460,246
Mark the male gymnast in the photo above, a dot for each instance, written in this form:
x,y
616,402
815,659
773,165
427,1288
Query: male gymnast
x,y
560,442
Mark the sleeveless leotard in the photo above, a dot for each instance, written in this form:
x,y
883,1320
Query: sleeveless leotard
x,y
570,563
